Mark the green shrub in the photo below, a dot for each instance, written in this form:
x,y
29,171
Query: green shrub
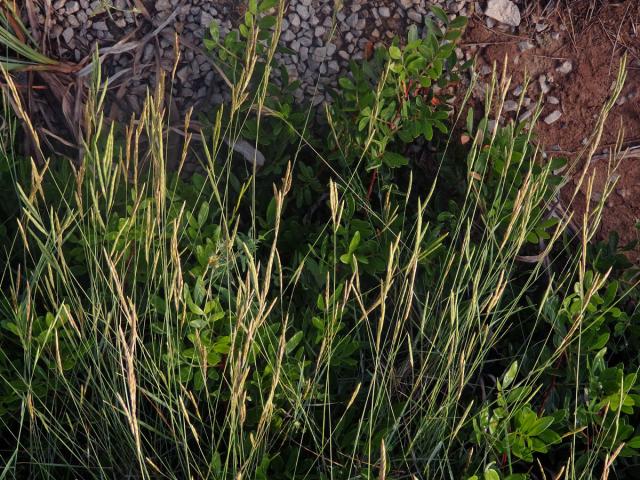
x,y
334,314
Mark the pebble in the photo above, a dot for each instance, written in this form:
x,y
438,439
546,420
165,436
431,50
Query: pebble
x,y
415,16
71,7
510,106
553,117
504,11
544,86
565,68
526,115
303,11
147,53
67,35
206,19
525,45
162,5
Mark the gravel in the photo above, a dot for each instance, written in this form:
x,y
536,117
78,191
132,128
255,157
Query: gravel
x,y
322,37
77,27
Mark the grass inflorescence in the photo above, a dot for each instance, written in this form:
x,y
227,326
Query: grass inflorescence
x,y
337,312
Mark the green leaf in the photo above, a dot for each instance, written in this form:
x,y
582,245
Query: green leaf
x,y
198,323
427,130
470,121
320,302
440,14
491,474
600,341
458,22
394,160
412,36
558,162
271,212
362,124
222,345
355,241
213,358
214,31
266,5
293,342
345,83
395,53
634,442
216,463
540,426
203,214
193,308
266,23
510,375
550,437
452,35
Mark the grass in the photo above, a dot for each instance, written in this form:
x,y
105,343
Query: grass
x,y
15,37
236,326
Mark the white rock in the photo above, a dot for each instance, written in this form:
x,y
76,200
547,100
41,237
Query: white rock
x,y
206,19
415,16
525,116
504,11
510,106
565,68
303,11
184,73
525,45
162,5
71,7
288,36
544,86
553,117
68,35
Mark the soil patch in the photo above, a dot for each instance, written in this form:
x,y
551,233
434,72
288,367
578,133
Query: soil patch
x,y
572,55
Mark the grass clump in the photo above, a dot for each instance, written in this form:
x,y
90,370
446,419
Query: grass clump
x,y
336,313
